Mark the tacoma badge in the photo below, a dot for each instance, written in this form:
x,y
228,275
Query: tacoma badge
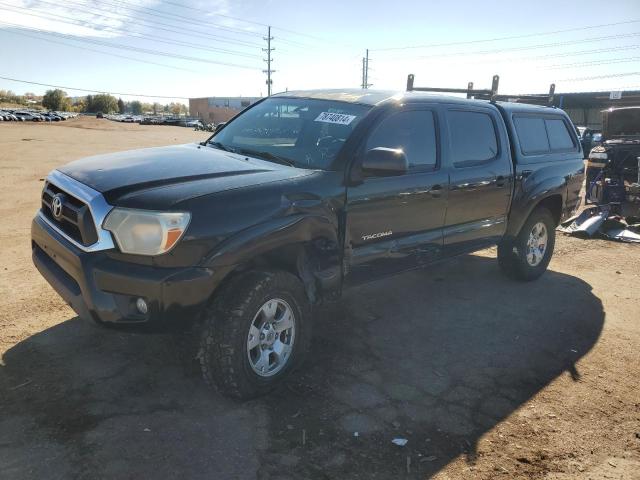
x,y
371,236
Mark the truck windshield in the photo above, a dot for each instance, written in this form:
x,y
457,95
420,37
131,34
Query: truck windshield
x,y
303,132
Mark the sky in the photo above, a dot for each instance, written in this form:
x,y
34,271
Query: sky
x,y
177,49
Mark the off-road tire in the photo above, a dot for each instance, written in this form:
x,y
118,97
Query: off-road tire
x,y
512,256
225,327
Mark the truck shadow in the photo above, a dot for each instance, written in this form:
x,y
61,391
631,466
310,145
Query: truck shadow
x,y
437,357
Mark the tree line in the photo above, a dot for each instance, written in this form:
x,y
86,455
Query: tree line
x,y
9,97
58,100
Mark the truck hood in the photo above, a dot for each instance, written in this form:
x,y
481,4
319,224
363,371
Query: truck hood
x,y
160,177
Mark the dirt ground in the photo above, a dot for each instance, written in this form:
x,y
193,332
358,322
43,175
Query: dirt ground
x,y
485,378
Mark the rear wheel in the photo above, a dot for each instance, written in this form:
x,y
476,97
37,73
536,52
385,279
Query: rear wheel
x,y
255,333
527,256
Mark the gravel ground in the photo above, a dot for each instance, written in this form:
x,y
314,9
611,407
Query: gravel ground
x,y
484,377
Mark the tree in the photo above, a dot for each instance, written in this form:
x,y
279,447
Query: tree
x,y
55,100
157,108
103,102
120,106
178,108
80,105
136,107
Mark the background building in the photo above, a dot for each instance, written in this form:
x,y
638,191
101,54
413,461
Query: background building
x,y
218,109
585,108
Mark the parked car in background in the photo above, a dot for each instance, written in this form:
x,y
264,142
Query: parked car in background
x,y
586,136
53,116
27,116
23,115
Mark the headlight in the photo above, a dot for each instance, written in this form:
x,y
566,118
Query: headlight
x,y
145,232
598,155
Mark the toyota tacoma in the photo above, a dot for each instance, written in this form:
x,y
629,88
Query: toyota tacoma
x,y
296,198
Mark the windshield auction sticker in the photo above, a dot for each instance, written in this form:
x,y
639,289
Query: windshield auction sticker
x,y
339,118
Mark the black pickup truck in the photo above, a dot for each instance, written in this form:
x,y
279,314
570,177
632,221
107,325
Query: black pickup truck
x,y
294,199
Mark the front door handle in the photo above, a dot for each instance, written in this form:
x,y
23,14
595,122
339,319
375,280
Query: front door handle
x,y
500,180
436,190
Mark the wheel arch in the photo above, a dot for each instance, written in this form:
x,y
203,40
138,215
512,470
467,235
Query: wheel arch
x,y
553,203
305,245
551,200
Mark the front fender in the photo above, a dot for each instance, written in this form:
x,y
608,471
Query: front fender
x,y
274,234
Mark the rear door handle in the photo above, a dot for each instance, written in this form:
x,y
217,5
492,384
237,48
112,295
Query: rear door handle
x,y
500,180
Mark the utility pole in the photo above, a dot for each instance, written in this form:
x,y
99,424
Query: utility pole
x,y
365,71
268,71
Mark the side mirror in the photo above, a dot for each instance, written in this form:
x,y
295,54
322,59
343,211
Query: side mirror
x,y
385,162
219,127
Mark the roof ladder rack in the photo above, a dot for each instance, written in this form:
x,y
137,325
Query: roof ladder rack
x,y
485,94
471,93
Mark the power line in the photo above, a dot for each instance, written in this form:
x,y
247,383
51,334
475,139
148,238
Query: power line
x,y
528,59
593,63
190,33
92,91
530,47
155,38
199,21
511,37
145,50
622,88
598,77
160,14
188,7
97,51
580,52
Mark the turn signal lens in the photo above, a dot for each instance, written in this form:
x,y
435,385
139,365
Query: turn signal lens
x,y
145,232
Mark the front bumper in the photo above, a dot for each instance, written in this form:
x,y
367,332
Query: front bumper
x,y
104,289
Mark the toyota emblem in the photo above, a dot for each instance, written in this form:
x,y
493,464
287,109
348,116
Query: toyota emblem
x,y
56,206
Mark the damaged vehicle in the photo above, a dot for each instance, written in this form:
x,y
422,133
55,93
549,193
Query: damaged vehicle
x,y
612,169
296,198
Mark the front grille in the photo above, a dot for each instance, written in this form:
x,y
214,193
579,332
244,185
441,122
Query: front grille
x,y
75,219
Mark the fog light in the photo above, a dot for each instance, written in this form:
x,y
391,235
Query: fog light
x,y
141,305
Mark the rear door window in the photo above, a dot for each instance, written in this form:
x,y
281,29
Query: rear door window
x,y
543,134
559,137
473,138
532,134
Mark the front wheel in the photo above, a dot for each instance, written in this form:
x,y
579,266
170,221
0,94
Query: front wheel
x,y
255,333
527,256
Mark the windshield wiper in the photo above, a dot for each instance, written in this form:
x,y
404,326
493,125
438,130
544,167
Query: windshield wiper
x,y
221,146
267,156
